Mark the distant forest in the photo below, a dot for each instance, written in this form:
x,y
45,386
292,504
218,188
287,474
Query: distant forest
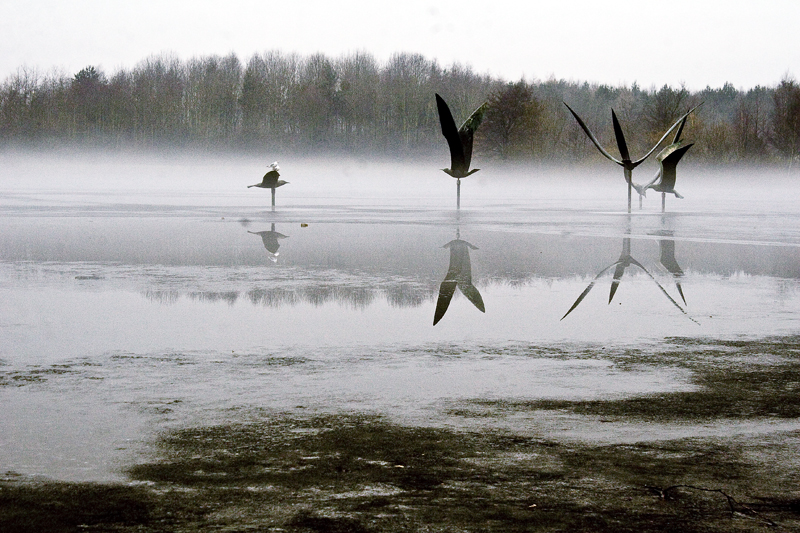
x,y
354,104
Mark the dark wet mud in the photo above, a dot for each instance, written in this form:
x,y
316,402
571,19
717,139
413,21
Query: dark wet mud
x,y
363,473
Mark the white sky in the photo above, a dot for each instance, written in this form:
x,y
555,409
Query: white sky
x,y
699,43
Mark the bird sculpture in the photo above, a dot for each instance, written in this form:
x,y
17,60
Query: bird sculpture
x,y
625,162
271,181
460,142
270,241
459,274
625,260
664,180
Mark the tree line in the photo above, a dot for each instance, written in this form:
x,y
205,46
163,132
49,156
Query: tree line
x,y
283,101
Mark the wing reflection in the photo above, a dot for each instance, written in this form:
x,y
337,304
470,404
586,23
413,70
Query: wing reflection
x,y
626,260
270,241
459,274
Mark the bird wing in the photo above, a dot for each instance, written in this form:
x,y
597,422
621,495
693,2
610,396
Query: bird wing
x,y
621,144
592,137
669,164
653,149
446,291
618,272
471,292
457,158
270,178
638,264
680,291
680,130
467,131
586,291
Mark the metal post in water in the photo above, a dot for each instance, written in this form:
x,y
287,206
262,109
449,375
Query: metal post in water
x,y
273,198
458,193
629,179
663,201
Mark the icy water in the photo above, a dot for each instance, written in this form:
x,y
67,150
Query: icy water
x,y
137,296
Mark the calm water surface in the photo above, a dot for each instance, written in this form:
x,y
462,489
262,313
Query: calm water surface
x,y
138,296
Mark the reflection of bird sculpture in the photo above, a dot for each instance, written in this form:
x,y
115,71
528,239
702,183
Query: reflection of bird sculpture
x,y
668,261
625,162
460,141
459,274
271,181
625,260
270,241
664,180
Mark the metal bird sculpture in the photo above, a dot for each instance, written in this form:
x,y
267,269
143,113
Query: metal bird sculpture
x,y
625,260
625,162
271,181
664,180
459,274
270,241
460,141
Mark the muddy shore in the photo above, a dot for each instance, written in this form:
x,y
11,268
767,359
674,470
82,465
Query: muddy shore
x,y
363,472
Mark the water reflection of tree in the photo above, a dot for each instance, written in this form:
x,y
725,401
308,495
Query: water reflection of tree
x,y
230,296
163,297
353,297
408,295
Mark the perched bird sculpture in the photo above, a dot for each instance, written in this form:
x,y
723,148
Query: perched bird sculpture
x,y
625,260
625,162
459,274
460,141
270,241
271,181
664,180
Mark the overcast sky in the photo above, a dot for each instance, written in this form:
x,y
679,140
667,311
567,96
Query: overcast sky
x,y
699,43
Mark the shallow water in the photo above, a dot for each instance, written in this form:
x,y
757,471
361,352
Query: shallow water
x,y
142,295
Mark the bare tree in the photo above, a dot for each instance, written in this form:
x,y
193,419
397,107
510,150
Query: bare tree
x,y
661,110
750,124
270,81
17,95
785,134
359,77
511,124
158,99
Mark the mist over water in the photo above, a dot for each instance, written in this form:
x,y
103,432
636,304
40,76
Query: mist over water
x,y
143,293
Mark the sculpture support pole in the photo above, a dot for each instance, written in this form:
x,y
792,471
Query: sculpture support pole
x,y
629,179
273,198
663,201
458,193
